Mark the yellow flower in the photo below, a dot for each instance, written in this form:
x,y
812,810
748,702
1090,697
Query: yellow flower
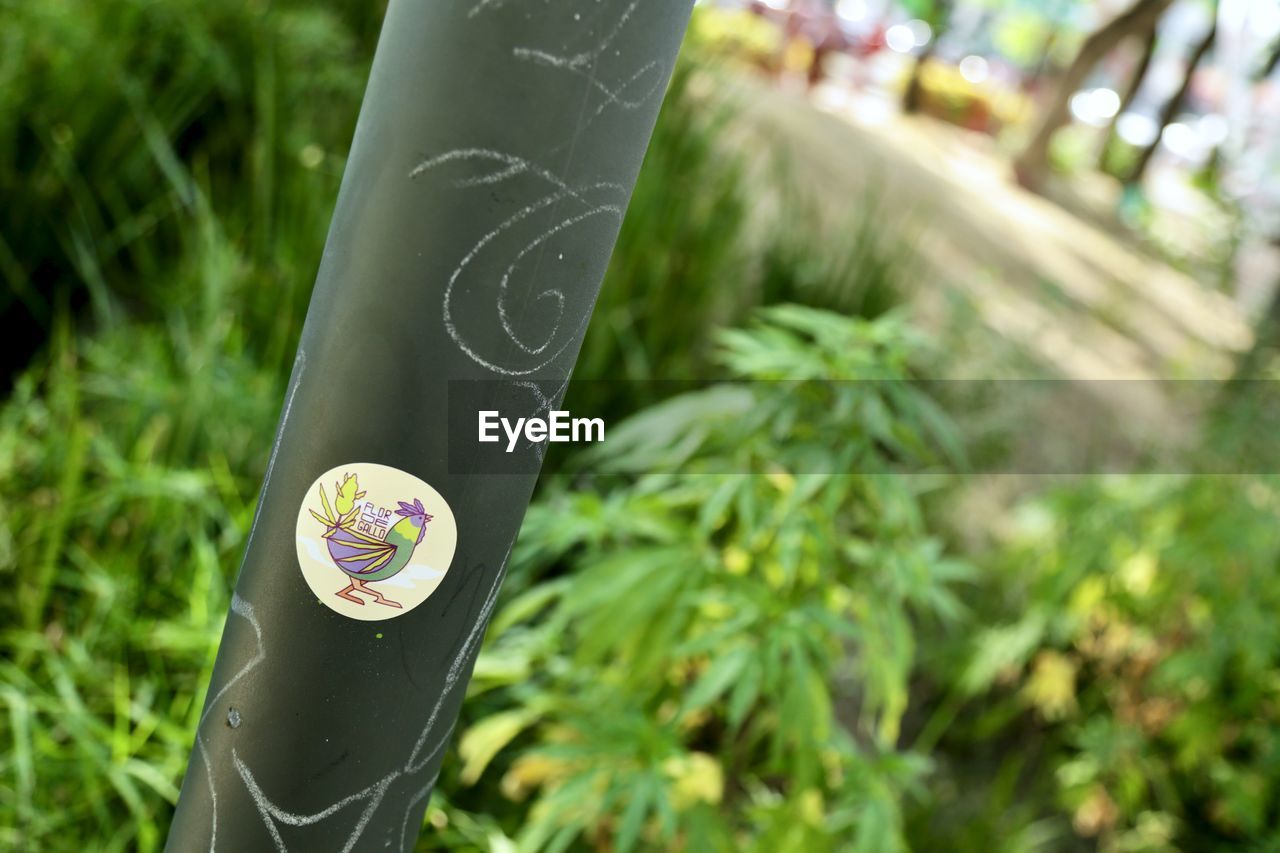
x,y
1052,685
1137,573
714,610
781,480
838,599
774,575
1087,595
1097,813
531,771
697,778
812,807
736,560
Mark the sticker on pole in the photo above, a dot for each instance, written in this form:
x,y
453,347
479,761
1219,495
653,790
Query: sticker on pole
x,y
374,542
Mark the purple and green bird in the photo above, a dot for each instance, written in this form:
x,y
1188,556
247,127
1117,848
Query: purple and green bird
x,y
366,559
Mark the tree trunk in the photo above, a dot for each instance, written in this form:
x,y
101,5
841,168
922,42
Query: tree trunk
x,y
1130,92
1266,334
1032,165
1174,104
1273,59
913,98
1032,81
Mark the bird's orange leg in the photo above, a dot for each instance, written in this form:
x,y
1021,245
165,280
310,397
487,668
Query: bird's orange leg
x,y
358,585
380,598
346,593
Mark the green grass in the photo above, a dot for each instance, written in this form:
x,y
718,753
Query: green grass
x,y
122,118
130,462
168,172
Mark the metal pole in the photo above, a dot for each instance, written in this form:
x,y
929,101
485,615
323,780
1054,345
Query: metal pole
x,y
496,150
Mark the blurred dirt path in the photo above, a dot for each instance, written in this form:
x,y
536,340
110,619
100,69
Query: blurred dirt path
x,y
1082,301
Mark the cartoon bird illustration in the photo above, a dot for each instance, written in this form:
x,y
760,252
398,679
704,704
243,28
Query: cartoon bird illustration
x,y
366,559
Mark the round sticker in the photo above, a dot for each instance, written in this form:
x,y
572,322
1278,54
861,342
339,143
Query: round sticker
x,y
374,542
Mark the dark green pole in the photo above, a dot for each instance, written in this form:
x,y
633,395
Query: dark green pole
x,y
495,153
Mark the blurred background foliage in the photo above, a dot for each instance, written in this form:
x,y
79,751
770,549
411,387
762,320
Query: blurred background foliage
x,y
783,661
